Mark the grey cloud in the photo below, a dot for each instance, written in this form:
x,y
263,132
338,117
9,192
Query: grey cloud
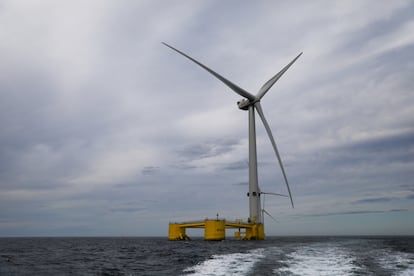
x,y
209,148
149,170
127,206
404,196
197,151
401,142
128,209
375,29
377,150
241,183
358,212
238,165
374,200
410,196
182,166
91,112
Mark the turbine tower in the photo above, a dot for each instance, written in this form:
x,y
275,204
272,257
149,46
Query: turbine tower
x,y
251,103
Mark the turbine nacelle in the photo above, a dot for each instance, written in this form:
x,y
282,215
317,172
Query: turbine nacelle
x,y
244,104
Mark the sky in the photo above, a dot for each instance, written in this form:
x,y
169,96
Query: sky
x,y
107,132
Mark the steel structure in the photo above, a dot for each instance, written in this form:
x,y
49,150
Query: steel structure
x,y
251,103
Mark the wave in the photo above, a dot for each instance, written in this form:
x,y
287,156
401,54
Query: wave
x,y
227,264
403,262
339,259
319,260
351,257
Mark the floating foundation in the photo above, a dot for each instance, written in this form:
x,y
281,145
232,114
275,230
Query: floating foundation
x,y
215,230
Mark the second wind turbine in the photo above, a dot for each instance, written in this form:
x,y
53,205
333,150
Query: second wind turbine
x,y
251,103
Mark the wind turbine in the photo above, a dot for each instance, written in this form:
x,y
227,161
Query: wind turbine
x,y
251,103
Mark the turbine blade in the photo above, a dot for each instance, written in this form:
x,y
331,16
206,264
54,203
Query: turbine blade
x,y
272,140
274,79
232,86
276,194
267,213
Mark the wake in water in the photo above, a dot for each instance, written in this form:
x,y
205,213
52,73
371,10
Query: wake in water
x,y
355,257
319,259
227,264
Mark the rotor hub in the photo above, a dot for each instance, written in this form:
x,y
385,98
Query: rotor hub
x,y
245,103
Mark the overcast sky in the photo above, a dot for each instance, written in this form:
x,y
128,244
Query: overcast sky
x,y
105,131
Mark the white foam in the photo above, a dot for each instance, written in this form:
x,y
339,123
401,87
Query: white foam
x,y
228,264
408,272
324,259
402,262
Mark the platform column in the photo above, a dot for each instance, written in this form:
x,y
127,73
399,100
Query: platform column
x,y
255,232
215,230
176,232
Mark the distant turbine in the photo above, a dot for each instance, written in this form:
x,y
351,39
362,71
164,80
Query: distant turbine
x,y
250,103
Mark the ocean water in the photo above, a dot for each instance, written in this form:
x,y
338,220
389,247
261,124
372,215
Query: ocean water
x,y
158,256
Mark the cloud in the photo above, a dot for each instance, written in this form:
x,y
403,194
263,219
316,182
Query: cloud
x,y
238,165
96,114
395,197
374,200
149,170
359,212
207,149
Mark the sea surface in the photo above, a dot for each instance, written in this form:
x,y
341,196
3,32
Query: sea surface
x,y
158,256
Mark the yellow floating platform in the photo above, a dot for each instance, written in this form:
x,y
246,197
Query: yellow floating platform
x,y
215,230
